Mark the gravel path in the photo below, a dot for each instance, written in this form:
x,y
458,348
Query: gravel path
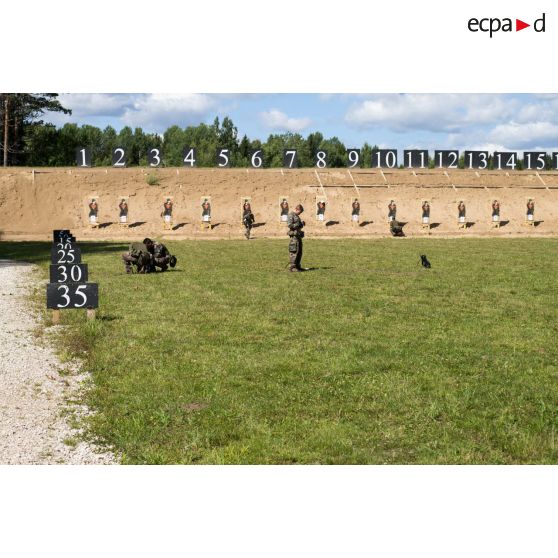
x,y
33,391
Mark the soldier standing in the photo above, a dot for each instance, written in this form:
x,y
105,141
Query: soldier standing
x,y
296,234
139,254
247,218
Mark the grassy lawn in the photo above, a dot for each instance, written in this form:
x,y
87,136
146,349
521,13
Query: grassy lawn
x,y
366,359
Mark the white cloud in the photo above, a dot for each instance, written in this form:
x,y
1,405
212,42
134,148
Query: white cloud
x,y
156,112
525,136
96,104
276,120
430,112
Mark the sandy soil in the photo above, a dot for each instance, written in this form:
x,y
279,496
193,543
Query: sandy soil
x,y
35,201
34,385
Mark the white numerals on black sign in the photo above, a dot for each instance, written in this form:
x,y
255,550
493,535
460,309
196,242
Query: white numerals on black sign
x,y
72,273
83,157
504,160
256,158
320,159
353,158
384,158
154,157
555,160
446,159
534,160
223,158
476,160
415,158
290,159
189,157
72,295
65,254
119,157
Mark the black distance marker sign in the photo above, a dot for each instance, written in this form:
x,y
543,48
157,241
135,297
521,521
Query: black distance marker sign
x,y
65,254
534,160
446,159
290,159
353,158
320,159
154,157
72,295
189,156
119,158
476,160
256,158
415,158
504,160
555,160
384,159
223,157
69,273
83,157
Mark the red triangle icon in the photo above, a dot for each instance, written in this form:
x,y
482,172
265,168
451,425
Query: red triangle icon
x,y
519,25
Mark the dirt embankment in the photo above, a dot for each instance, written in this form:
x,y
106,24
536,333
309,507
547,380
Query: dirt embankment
x,y
35,201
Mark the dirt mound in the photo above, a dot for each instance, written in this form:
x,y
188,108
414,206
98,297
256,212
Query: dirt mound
x,y
35,201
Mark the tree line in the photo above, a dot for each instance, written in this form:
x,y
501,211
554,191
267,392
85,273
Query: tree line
x,y
28,141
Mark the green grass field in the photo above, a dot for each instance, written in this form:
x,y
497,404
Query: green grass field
x,y
368,358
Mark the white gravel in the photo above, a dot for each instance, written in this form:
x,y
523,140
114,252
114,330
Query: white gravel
x,y
35,387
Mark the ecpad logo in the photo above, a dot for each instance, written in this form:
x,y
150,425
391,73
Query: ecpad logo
x,y
494,24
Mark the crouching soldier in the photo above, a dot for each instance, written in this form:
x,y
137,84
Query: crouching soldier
x,y
162,258
140,254
296,234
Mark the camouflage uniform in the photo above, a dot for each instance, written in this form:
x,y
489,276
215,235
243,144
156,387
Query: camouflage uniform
x,y
139,255
248,220
395,228
295,224
161,256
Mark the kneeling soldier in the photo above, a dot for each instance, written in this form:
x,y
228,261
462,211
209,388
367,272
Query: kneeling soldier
x,y
295,224
162,257
140,254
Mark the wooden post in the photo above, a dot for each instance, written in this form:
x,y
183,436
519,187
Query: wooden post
x,y
56,317
6,124
91,314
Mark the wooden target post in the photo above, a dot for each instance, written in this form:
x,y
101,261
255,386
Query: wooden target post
x,y
495,222
244,200
68,287
355,212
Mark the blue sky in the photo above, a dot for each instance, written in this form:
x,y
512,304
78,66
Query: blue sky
x,y
473,121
